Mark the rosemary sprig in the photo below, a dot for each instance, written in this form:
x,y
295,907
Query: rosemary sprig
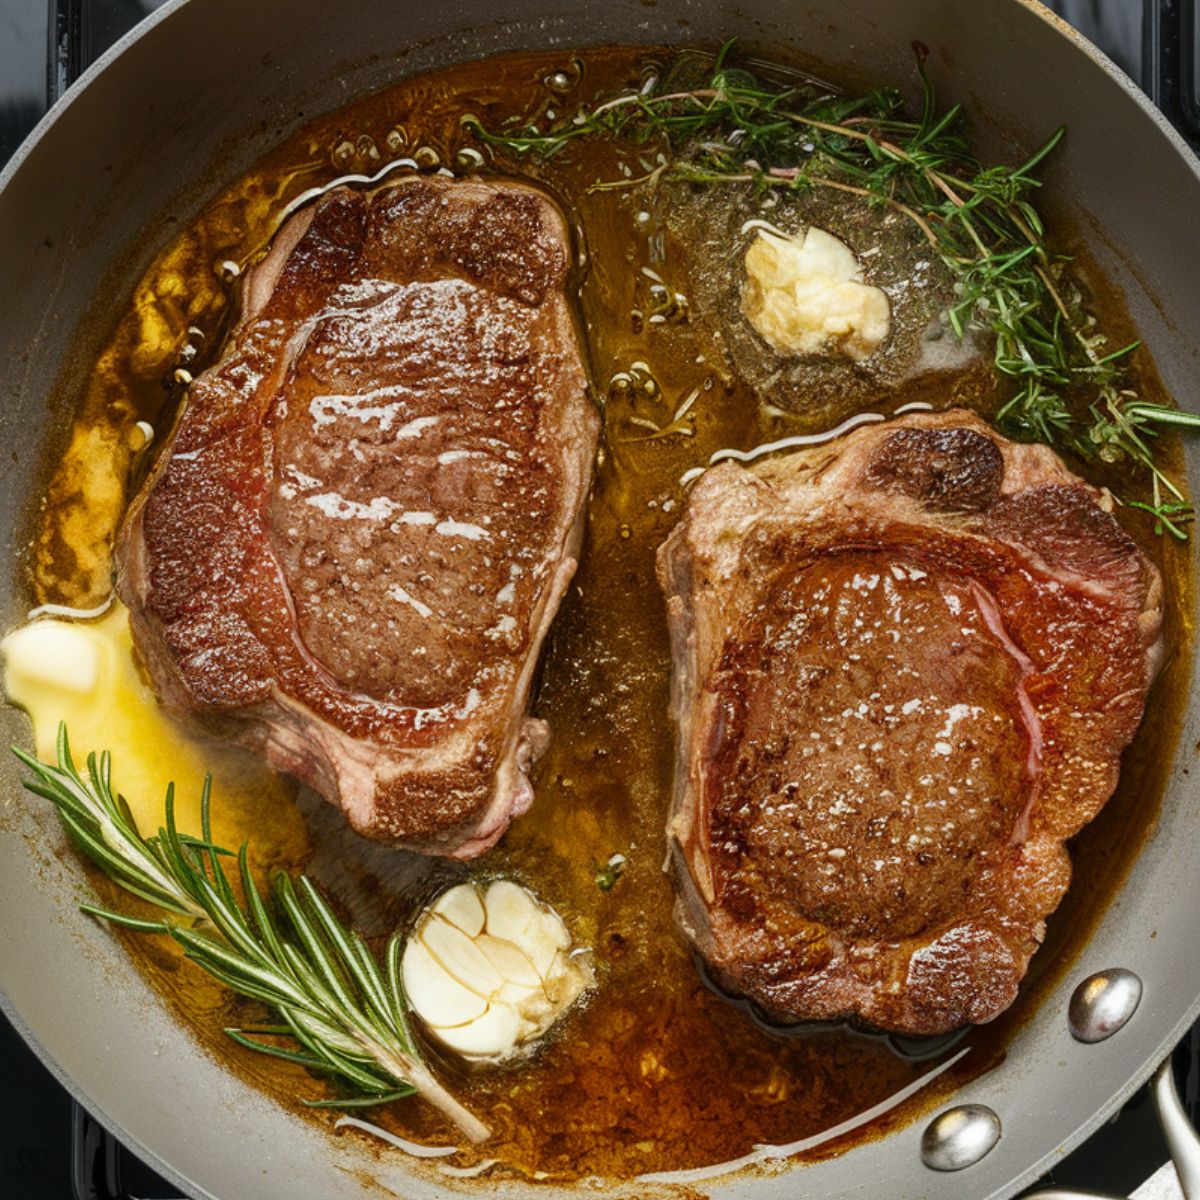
x,y
341,1013
1070,389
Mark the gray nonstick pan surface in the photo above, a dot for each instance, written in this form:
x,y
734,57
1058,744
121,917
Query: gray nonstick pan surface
x,y
190,100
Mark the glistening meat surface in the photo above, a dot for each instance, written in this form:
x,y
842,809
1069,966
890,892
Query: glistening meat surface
x,y
906,665
350,552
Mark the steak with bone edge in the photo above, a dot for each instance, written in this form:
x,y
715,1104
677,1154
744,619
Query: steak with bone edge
x,y
906,663
351,550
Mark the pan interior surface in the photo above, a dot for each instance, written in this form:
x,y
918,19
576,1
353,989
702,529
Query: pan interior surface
x,y
190,101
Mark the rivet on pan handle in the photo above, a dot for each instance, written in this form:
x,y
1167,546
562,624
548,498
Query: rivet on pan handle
x,y
1181,1139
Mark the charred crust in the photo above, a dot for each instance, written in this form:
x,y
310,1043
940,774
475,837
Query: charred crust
x,y
1068,530
508,240
324,256
947,470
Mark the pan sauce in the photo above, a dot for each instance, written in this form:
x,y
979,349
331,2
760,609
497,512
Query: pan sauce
x,y
656,1073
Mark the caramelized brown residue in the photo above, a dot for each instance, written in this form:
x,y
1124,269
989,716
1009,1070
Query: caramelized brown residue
x,y
656,1072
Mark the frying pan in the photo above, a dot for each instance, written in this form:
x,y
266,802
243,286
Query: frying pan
x,y
191,99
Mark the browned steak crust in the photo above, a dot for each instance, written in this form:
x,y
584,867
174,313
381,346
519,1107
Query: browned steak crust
x,y
906,665
351,550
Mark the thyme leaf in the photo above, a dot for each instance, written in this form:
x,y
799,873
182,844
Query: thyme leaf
x,y
1069,388
342,1014
606,874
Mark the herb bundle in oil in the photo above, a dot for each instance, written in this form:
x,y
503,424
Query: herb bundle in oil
x,y
1071,388
340,1012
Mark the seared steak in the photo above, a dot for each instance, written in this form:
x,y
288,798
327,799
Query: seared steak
x,y
906,665
351,550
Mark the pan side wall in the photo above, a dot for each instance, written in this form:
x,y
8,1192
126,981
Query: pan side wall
x,y
203,91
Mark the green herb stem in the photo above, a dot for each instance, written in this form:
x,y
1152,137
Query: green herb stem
x,y
1069,389
343,1015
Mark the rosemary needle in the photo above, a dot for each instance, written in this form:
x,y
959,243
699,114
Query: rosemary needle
x,y
1069,388
342,1013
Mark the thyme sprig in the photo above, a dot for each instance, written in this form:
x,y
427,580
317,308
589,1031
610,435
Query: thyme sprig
x,y
1070,387
341,1013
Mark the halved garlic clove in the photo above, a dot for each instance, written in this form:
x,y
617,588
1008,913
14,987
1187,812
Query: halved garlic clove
x,y
430,988
489,970
494,1036
509,913
461,906
510,960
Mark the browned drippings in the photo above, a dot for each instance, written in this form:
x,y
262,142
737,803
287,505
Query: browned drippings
x,y
656,1072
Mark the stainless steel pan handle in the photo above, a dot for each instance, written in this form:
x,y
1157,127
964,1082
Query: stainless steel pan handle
x,y
67,29
1182,1142
98,1162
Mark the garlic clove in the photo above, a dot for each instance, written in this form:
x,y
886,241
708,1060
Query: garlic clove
x,y
459,955
499,1026
431,989
513,914
510,961
530,1002
462,907
510,911
547,946
517,967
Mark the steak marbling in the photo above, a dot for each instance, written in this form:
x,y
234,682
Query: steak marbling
x,y
351,550
906,665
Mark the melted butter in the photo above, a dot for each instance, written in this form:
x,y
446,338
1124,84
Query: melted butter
x,y
84,673
804,294
177,310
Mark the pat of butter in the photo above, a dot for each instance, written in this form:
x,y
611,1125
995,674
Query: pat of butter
x,y
489,970
52,655
806,295
83,672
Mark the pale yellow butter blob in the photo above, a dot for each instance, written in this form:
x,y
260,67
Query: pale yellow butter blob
x,y
84,673
806,295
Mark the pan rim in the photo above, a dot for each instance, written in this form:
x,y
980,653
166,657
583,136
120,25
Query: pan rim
x,y
116,1129
1190,158
79,90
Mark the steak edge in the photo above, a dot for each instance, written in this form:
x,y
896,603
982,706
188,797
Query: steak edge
x,y
351,549
906,663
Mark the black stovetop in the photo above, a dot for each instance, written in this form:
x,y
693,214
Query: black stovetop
x,y
52,1150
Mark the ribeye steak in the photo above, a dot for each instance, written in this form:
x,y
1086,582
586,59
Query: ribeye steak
x,y
906,664
351,550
